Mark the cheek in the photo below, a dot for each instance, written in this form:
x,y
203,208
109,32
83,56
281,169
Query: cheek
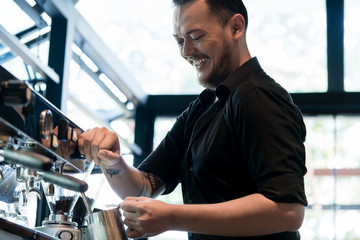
x,y
213,47
216,51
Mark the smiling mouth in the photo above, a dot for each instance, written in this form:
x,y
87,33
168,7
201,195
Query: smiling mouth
x,y
197,62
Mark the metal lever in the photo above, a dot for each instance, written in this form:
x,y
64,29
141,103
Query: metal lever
x,y
63,128
65,181
27,159
86,203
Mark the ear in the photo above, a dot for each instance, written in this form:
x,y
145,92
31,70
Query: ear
x,y
238,25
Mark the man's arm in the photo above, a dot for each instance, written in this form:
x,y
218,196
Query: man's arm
x,y
103,147
252,215
127,181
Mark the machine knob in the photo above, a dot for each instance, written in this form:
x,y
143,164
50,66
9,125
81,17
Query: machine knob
x,y
65,235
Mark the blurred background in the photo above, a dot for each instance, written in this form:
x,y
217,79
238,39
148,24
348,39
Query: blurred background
x,y
119,67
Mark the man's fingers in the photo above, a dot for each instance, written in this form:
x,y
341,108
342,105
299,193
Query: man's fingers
x,y
129,204
88,138
131,233
132,216
94,146
99,144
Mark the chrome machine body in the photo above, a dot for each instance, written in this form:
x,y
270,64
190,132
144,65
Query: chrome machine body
x,y
31,130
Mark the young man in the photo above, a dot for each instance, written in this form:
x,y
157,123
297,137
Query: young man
x,y
237,150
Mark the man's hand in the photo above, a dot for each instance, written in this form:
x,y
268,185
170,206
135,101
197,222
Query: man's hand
x,y
145,217
100,145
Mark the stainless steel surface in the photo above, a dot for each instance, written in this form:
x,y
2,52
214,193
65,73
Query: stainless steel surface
x,y
13,139
59,219
61,226
61,231
30,125
106,225
65,181
7,184
31,156
15,93
10,230
46,124
86,203
27,159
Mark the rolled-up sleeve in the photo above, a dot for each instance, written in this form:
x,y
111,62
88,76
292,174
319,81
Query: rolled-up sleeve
x,y
273,134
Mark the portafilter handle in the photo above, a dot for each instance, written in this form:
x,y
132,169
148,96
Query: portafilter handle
x,y
30,160
65,181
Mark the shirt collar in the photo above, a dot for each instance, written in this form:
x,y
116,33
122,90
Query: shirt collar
x,y
207,98
242,74
224,90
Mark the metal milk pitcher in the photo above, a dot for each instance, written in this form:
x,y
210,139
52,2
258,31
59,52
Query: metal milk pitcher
x,y
106,224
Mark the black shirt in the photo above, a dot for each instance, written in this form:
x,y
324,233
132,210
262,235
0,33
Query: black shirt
x,y
244,138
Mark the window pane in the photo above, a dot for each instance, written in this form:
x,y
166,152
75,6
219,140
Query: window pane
x,y
15,64
318,224
333,178
289,38
161,127
320,141
345,194
143,42
282,38
12,18
352,45
347,224
85,89
348,141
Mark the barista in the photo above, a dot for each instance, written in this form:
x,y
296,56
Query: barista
x,y
237,150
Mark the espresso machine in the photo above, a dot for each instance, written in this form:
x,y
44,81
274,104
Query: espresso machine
x,y
32,132
62,203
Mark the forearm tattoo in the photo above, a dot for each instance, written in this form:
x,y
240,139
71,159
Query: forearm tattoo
x,y
155,182
145,191
112,171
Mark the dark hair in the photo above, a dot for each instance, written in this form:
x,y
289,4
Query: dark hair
x,y
224,9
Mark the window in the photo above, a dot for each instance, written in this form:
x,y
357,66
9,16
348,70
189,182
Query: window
x,y
289,39
352,45
281,37
162,126
333,163
143,42
13,18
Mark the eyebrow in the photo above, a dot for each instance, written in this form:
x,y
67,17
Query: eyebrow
x,y
188,33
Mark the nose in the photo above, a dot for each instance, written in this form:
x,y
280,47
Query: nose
x,y
187,49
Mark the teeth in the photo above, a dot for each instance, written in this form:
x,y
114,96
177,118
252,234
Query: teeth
x,y
196,62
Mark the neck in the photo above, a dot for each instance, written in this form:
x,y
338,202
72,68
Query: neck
x,y
244,54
